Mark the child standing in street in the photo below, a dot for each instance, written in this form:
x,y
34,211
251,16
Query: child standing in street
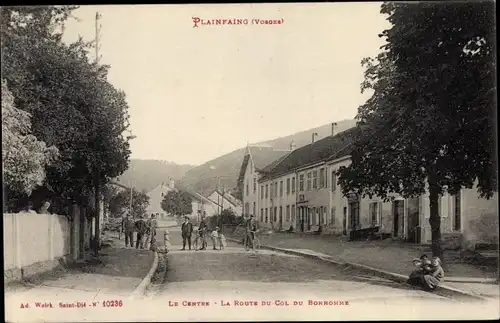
x,y
222,239
215,237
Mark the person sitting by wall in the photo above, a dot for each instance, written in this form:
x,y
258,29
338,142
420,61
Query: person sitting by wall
x,y
45,208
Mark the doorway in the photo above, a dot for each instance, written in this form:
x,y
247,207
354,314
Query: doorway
x,y
413,230
398,217
354,215
281,218
308,210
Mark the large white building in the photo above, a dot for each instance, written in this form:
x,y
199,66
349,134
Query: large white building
x,y
300,190
156,196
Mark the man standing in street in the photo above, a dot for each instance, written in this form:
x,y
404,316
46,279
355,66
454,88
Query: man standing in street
x,y
128,228
202,229
141,227
186,230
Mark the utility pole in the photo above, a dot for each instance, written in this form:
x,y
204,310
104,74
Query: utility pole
x,y
97,36
97,184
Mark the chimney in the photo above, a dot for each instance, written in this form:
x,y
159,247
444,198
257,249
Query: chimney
x,y
334,124
314,136
292,146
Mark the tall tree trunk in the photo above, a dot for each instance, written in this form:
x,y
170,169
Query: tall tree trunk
x,y
435,219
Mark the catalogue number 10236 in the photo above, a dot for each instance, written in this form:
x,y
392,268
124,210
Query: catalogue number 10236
x,y
112,303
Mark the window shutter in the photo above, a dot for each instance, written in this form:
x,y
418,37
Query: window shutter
x,y
379,216
427,210
445,206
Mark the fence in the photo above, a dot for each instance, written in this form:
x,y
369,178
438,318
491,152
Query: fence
x,y
31,238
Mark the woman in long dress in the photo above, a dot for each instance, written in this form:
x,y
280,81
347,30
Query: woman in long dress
x,y
433,279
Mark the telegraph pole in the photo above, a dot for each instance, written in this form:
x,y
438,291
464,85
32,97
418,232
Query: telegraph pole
x,y
97,36
97,184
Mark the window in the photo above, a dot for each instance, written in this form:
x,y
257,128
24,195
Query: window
x,y
275,189
262,192
374,210
275,211
254,185
272,190
324,214
267,190
281,188
321,178
261,215
247,188
314,216
293,213
301,182
266,215
287,186
293,184
332,215
288,213
254,209
281,214
309,176
315,179
457,213
334,181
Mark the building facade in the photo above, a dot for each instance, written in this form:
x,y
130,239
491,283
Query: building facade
x,y
257,161
301,192
156,196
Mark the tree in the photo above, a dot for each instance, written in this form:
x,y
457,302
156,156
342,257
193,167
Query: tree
x,y
120,203
72,105
429,125
178,203
24,156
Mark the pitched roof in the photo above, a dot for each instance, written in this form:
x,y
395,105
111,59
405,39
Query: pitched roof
x,y
228,197
328,148
261,156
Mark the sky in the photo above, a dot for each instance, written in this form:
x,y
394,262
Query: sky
x,y
196,93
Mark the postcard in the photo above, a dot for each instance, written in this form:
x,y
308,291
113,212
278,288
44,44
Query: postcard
x,y
250,162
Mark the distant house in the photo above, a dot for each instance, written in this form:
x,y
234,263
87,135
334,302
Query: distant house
x,y
257,160
201,206
226,201
156,196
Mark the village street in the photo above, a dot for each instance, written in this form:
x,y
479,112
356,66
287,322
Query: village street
x,y
240,280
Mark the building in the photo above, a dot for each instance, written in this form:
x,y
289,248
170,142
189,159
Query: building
x,y
296,189
201,206
156,196
225,201
300,191
256,162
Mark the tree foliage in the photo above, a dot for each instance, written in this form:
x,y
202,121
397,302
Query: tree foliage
x,y
73,106
24,156
177,202
429,125
119,203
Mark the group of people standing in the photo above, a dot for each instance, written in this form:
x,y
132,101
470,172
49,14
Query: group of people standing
x,y
146,231
218,239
